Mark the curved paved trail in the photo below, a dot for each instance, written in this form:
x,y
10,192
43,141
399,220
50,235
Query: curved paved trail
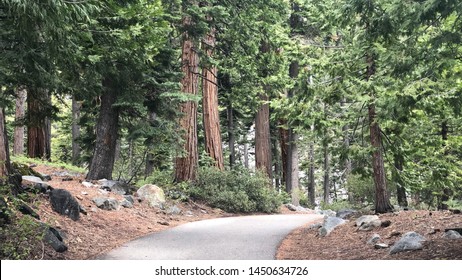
x,y
235,238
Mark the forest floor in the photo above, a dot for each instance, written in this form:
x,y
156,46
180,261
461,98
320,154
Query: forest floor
x,y
100,231
347,243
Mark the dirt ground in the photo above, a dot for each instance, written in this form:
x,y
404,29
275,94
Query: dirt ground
x,y
347,243
100,231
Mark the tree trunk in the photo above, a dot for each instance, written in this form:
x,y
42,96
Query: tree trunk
x,y
446,192
231,134
5,165
150,162
211,118
262,138
246,155
39,125
311,183
18,145
382,200
186,165
292,179
102,163
76,105
326,180
284,140
400,189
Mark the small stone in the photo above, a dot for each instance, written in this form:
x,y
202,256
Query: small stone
x,y
368,222
345,213
381,246
374,239
395,233
164,223
79,197
189,214
452,234
410,241
94,209
106,203
126,204
67,179
203,211
174,210
84,193
87,184
291,207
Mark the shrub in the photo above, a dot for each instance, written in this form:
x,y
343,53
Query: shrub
x,y
235,191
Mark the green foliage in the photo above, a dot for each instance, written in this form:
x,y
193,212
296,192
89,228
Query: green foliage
x,y
339,205
360,188
236,191
57,164
21,239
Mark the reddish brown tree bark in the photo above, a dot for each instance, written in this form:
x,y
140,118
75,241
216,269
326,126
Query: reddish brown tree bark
x,y
211,118
262,138
382,200
186,164
39,125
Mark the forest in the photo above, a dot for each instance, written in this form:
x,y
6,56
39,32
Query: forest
x,y
243,104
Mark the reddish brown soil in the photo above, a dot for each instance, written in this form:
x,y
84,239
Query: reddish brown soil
x,y
100,231
347,243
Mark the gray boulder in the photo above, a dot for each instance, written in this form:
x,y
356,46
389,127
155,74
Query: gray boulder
x,y
153,195
65,204
381,246
452,234
368,222
346,213
117,187
27,210
329,224
107,203
374,239
126,203
174,210
410,241
53,237
327,212
294,208
34,180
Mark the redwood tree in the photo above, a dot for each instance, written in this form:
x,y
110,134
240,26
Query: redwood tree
x,y
211,118
186,162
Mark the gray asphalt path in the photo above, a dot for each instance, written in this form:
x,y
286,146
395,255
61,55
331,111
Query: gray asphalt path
x,y
235,238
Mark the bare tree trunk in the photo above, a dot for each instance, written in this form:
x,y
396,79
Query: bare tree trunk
x,y
382,200
39,125
186,165
231,134
5,165
262,139
211,118
107,126
446,192
326,181
149,168
292,180
246,155
400,189
284,143
76,150
311,183
20,112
